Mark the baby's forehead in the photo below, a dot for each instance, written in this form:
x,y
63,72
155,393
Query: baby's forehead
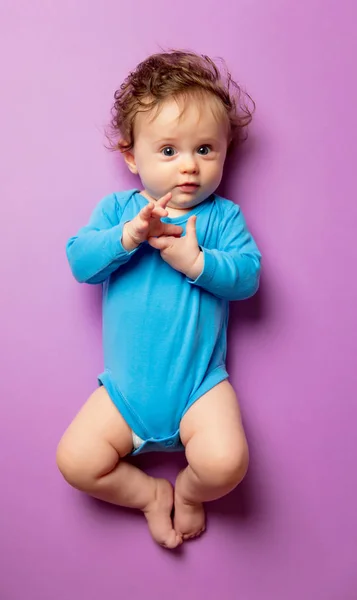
x,y
175,115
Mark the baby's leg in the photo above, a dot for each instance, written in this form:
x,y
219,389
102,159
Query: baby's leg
x,y
217,455
90,455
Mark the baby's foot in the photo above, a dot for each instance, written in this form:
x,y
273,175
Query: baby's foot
x,y
189,518
158,515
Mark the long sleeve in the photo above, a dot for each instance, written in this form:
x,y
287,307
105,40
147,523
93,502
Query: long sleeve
x,y
232,270
96,251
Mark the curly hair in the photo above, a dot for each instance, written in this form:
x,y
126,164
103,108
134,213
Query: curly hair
x,y
176,74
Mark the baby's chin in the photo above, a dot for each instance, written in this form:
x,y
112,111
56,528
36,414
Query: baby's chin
x,y
182,200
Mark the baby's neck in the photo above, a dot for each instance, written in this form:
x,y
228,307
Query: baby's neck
x,y
176,212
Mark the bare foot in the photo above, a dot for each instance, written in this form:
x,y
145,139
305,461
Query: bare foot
x,y
189,518
158,515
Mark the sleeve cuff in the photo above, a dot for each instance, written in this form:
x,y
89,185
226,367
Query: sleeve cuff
x,y
209,267
119,250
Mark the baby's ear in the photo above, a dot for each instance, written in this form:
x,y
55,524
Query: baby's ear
x,y
130,161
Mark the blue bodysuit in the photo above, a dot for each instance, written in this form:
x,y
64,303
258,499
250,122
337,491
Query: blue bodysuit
x,y
164,335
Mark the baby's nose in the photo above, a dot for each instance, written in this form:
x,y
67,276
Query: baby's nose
x,y
189,165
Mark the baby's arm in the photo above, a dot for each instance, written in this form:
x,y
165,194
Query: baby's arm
x,y
231,271
96,251
108,242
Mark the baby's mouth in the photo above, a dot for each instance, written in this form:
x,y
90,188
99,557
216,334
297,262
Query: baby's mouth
x,y
188,187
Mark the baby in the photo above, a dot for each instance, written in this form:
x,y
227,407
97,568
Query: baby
x,y
170,258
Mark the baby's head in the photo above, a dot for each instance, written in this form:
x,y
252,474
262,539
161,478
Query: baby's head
x,y
176,116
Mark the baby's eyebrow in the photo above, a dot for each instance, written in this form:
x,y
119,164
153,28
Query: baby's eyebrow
x,y
201,142
166,141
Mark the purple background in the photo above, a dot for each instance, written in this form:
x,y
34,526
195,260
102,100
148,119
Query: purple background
x,y
290,532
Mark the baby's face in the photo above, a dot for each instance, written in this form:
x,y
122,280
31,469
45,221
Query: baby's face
x,y
180,153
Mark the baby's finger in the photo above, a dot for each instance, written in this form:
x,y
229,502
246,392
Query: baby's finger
x,y
159,212
161,243
146,212
163,201
169,229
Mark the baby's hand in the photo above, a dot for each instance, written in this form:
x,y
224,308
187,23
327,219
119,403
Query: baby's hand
x,y
147,224
182,254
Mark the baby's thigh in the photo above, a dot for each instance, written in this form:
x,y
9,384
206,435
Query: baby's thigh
x,y
212,431
94,442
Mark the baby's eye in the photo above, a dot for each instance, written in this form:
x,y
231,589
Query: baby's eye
x,y
203,150
168,151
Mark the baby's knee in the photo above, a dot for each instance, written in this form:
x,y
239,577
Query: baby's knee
x,y
224,466
73,466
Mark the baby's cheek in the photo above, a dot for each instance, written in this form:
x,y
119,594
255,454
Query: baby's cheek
x,y
216,174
